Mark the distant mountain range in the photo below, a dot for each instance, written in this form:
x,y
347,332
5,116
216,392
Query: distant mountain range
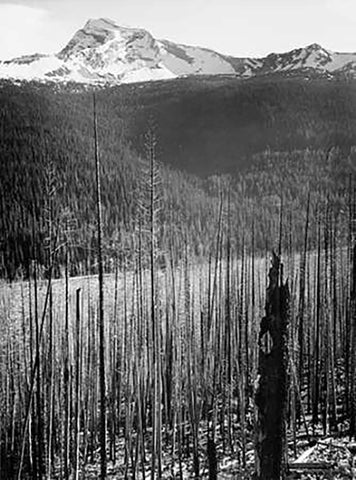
x,y
104,52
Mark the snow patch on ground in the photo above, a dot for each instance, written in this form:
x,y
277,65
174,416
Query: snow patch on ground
x,y
37,69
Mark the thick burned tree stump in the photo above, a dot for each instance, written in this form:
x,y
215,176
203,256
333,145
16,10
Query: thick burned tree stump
x,y
272,381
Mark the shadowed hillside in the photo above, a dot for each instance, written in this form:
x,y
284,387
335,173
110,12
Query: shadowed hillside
x,y
263,140
214,124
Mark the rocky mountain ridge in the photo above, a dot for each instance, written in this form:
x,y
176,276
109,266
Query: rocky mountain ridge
x,y
104,52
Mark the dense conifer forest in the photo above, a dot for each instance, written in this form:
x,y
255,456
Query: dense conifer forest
x,y
278,139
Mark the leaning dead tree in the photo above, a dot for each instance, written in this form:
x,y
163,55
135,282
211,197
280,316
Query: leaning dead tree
x,y
272,382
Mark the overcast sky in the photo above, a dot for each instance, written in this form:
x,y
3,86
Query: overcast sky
x,y
236,27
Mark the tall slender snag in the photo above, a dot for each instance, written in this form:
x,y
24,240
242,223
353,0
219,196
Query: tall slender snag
x,y
352,312
302,294
101,305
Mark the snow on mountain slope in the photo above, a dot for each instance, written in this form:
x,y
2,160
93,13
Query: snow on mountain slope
x,y
28,68
186,60
312,57
103,51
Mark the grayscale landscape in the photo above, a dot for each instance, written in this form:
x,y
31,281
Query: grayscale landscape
x,y
177,246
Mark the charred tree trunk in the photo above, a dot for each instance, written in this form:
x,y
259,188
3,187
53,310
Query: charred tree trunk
x,y
102,379
272,388
352,313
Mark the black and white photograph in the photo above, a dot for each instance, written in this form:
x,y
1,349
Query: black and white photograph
x,y
178,239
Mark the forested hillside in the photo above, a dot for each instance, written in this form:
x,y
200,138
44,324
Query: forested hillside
x,y
260,140
213,125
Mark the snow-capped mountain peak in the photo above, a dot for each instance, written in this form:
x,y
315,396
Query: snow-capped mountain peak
x,y
104,51
314,47
93,34
100,33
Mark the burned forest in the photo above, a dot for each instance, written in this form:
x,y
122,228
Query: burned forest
x,y
178,280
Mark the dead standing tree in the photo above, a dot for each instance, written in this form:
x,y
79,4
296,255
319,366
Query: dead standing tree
x,y
272,381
